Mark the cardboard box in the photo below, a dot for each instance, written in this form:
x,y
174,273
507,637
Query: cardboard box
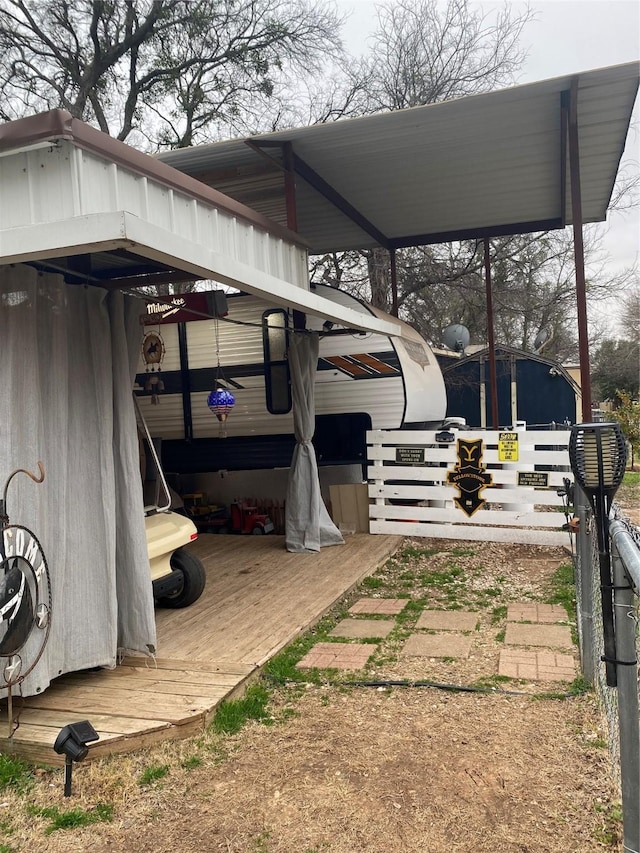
x,y
350,507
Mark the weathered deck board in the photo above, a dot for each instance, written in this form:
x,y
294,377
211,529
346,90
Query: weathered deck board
x,y
258,598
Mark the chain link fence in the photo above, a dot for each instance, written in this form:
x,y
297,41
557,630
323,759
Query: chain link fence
x,y
619,704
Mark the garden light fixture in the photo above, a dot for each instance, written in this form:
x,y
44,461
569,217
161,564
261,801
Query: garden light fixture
x,y
72,743
598,457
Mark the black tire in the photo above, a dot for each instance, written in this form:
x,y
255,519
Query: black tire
x,y
258,531
193,580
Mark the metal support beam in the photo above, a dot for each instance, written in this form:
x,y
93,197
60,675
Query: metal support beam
x,y
578,252
290,186
493,379
298,165
332,195
564,123
490,231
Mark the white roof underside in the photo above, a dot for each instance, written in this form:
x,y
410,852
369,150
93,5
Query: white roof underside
x,y
488,164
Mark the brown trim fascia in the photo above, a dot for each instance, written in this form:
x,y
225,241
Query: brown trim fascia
x,y
60,124
43,127
477,233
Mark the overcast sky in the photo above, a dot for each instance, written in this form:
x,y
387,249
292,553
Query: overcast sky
x,y
566,36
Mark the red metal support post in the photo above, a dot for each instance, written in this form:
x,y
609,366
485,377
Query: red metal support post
x,y
493,380
578,252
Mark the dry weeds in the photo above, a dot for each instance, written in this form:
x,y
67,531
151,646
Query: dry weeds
x,y
370,770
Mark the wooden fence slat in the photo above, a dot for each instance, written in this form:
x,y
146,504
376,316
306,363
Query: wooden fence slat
x,y
424,492
402,438
523,536
431,474
456,516
490,457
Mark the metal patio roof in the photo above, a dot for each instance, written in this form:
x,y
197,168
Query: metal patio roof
x,y
475,167
80,203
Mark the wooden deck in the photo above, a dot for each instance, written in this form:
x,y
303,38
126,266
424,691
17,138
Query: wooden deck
x,y
258,598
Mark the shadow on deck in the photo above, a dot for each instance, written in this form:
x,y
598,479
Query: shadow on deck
x,y
258,598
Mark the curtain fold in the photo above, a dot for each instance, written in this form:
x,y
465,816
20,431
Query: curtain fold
x,y
66,373
308,526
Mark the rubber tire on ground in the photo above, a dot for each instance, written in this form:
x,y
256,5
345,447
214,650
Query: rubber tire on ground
x,y
257,530
194,579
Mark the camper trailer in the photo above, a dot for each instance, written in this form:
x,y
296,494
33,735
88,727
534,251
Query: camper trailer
x,y
363,381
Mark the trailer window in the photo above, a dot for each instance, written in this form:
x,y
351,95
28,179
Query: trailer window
x,y
275,340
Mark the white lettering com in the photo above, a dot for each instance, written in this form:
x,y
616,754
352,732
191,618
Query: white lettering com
x,y
22,545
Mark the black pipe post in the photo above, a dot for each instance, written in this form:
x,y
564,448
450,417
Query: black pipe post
x,y
493,379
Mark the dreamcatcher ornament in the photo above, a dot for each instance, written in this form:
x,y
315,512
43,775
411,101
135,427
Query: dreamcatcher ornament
x,y
153,350
220,400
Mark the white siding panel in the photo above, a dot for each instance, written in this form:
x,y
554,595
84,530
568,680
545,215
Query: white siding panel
x,y
15,181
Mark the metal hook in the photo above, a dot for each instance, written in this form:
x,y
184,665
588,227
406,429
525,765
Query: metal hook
x,y
37,478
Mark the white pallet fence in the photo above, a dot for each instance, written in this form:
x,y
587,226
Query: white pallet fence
x,y
511,512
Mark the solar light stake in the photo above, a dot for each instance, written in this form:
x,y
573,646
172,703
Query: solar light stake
x,y
72,741
598,456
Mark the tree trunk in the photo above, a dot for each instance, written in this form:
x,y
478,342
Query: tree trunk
x,y
379,278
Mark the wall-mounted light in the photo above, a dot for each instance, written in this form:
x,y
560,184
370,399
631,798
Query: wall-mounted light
x,y
72,743
598,456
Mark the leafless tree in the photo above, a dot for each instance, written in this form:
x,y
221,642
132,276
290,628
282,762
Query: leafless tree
x,y
174,71
426,51
629,302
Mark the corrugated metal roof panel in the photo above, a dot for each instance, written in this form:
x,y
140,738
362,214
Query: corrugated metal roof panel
x,y
488,161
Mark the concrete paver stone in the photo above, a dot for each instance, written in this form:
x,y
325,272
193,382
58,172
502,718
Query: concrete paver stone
x,y
448,620
437,646
347,656
536,666
530,611
554,636
359,629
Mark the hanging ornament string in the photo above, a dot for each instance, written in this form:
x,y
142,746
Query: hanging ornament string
x,y
220,400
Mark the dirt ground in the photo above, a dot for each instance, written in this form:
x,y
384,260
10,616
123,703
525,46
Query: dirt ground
x,y
506,767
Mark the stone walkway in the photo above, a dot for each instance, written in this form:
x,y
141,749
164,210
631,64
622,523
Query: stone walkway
x,y
537,642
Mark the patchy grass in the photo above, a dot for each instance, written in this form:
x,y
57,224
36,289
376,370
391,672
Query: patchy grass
x,y
609,832
499,614
562,589
72,818
15,774
191,762
493,682
153,774
233,714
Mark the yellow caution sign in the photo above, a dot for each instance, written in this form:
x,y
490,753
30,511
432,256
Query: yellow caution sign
x,y
508,447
